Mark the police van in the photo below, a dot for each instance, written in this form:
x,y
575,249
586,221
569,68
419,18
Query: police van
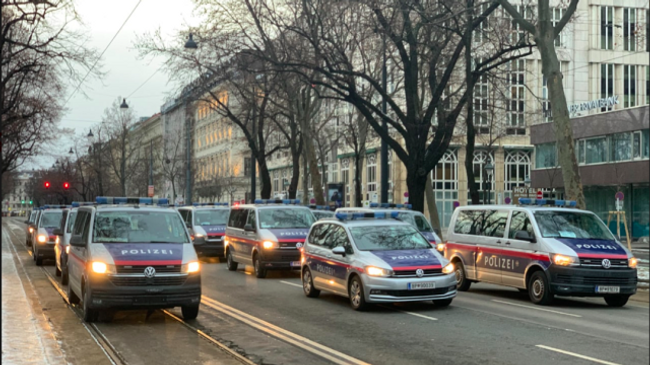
x,y
44,237
543,247
375,258
413,217
127,253
267,235
62,244
31,226
206,223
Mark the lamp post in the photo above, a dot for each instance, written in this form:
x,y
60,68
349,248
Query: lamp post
x,y
191,46
384,126
489,169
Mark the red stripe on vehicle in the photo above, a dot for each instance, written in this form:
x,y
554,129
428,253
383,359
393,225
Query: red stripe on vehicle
x,y
500,251
359,269
150,262
601,256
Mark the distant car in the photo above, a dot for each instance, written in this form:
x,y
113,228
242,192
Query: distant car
x,y
206,223
31,226
62,245
374,258
44,236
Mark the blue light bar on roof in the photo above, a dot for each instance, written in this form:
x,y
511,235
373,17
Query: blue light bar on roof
x,y
55,206
216,204
125,200
541,202
81,204
370,215
277,201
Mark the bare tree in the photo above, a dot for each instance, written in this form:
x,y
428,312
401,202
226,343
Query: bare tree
x,y
355,134
120,149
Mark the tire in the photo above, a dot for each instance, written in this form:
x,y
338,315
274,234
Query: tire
x,y
64,276
90,315
72,297
230,263
462,283
190,312
260,272
356,294
616,301
539,290
308,284
442,303
57,272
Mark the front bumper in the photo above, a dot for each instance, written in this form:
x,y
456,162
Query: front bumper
x,y
119,292
46,250
280,259
392,290
572,281
214,248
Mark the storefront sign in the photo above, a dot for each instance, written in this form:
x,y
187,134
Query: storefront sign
x,y
522,192
594,104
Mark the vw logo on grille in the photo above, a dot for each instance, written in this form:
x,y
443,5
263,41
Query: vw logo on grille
x,y
298,245
419,273
149,272
606,264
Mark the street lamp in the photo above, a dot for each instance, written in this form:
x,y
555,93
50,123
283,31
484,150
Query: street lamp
x,y
527,183
71,152
190,44
489,169
124,105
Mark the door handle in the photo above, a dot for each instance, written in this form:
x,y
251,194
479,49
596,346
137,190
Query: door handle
x,y
499,242
507,242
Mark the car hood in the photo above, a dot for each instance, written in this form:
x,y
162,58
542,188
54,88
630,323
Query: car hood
x,y
409,259
215,230
589,248
145,253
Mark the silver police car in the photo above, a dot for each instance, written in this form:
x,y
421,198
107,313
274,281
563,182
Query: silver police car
x,y
374,258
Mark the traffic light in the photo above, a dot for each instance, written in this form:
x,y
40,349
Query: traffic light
x,y
22,202
47,185
31,202
66,185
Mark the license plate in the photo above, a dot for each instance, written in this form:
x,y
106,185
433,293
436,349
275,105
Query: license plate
x,y
153,300
608,289
423,285
295,263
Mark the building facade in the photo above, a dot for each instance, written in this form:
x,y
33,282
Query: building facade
x,y
18,199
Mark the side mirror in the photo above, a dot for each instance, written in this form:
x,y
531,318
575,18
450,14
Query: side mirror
x,y
58,232
249,228
77,241
188,225
339,251
524,236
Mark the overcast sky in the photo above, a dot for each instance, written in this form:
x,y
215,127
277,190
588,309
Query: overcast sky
x,y
124,71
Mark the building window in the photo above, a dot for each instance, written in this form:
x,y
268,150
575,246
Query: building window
x,y
285,181
645,143
276,182
445,184
545,156
629,86
596,150
647,84
481,101
481,158
621,146
334,171
546,102
345,177
606,83
636,145
479,33
556,16
519,34
517,97
517,168
371,175
247,166
390,176
606,27
580,151
629,29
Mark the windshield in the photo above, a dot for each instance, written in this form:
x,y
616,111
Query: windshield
x,y
382,238
321,214
140,227
554,224
211,217
51,219
285,218
71,219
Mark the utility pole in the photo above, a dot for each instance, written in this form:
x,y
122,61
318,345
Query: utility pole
x,y
252,163
384,126
151,164
188,175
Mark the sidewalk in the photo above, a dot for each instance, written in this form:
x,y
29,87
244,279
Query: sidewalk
x,y
26,335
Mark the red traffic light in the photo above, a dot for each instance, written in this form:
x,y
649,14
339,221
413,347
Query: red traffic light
x,y
47,185
66,185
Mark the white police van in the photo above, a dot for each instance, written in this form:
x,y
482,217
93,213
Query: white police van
x,y
206,223
413,217
62,244
44,236
267,235
374,258
31,226
127,253
543,247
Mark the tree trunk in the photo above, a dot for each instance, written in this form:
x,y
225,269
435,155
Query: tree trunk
x,y
471,131
293,185
316,181
416,183
305,178
432,208
358,168
265,177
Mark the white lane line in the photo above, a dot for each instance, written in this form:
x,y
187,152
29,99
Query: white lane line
x,y
535,308
287,336
577,355
292,284
417,315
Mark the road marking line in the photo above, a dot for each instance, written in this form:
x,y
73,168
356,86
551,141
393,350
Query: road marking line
x,y
415,314
577,355
292,284
535,308
287,336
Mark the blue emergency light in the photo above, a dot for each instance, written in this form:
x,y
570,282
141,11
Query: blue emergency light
x,y
81,204
125,200
387,205
552,202
375,215
55,206
210,204
277,201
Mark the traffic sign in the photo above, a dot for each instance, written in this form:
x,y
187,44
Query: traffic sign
x,y
619,195
540,195
508,200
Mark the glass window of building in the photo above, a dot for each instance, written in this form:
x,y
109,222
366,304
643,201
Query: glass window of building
x,y
556,15
276,182
645,141
479,33
607,27
390,176
596,150
545,156
636,145
546,102
445,185
481,101
580,151
517,168
629,86
647,82
629,29
482,180
621,146
606,83
517,96
371,174
345,177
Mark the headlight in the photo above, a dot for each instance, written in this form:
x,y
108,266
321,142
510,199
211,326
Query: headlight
x,y
449,268
102,268
31,230
225,241
378,271
632,262
42,238
440,247
191,267
57,239
269,245
198,235
67,249
563,260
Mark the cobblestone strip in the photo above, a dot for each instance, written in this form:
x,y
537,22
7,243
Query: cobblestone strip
x,y
26,335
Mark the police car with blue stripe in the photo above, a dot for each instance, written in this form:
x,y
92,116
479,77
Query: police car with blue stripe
x,y
127,253
206,223
374,258
542,247
267,235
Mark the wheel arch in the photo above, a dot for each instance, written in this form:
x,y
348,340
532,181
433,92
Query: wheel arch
x,y
531,269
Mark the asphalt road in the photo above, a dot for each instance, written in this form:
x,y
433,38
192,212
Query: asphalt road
x,y
270,321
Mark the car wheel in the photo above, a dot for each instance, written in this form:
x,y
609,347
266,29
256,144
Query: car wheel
x,y
72,297
356,294
230,263
57,272
260,272
64,276
190,312
308,285
462,284
90,314
442,302
538,289
616,300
